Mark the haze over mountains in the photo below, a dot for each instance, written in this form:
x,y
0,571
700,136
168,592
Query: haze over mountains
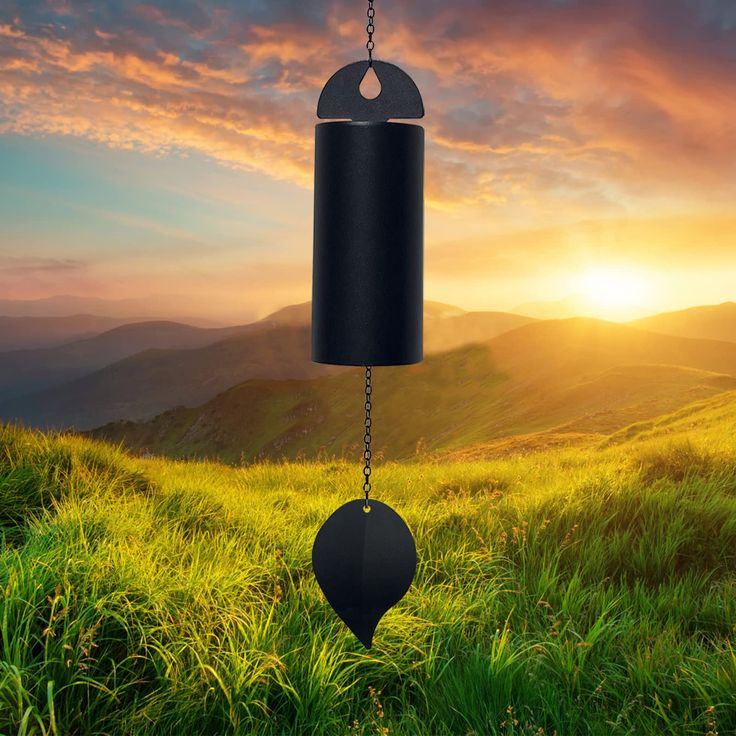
x,y
570,306
445,326
252,390
715,322
578,376
139,370
26,371
130,310
19,333
154,380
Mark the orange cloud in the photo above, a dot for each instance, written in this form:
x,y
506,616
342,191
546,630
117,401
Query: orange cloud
x,y
156,105
548,109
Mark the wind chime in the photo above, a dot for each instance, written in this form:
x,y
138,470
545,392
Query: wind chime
x,y
367,300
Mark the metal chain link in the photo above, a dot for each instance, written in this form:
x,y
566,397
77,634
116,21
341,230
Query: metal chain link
x,y
370,29
367,453
367,436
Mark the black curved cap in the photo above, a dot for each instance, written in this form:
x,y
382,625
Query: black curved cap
x,y
341,97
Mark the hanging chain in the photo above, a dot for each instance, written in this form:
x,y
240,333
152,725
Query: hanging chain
x,y
370,45
370,28
367,437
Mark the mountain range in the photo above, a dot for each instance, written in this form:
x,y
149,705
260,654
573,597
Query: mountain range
x,y
19,333
162,307
139,370
577,376
252,390
26,371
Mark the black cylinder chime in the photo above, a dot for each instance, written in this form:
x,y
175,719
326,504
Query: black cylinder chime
x,y
367,301
368,196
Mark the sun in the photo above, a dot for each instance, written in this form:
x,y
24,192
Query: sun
x,y
615,290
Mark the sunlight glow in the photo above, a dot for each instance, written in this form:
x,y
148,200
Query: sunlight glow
x,y
615,290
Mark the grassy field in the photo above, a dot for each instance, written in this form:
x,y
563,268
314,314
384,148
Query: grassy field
x,y
582,590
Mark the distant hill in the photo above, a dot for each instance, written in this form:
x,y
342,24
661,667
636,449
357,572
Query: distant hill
x,y
152,381
26,371
445,326
295,315
445,329
62,305
131,310
18,333
574,305
572,376
715,322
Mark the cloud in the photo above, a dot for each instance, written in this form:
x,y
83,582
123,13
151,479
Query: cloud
x,y
24,276
21,266
545,107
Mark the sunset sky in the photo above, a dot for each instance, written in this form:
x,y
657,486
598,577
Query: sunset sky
x,y
163,151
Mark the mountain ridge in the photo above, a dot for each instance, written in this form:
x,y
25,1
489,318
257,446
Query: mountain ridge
x,y
32,370
711,321
25,333
574,376
150,381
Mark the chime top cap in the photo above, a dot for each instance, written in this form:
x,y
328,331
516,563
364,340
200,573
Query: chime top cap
x,y
341,97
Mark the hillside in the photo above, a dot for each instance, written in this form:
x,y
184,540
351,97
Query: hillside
x,y
23,333
570,376
715,322
95,387
154,380
27,371
584,592
706,419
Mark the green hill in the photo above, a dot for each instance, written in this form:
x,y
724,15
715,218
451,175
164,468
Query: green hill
x,y
577,376
582,591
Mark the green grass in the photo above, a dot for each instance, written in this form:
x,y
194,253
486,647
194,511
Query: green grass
x,y
576,591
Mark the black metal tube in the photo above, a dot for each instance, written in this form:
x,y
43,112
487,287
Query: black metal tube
x,y
367,286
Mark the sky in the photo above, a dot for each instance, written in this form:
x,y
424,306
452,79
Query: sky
x,y
581,151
